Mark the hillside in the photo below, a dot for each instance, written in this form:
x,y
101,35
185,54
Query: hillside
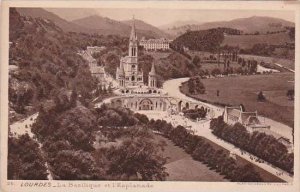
x,y
252,24
94,24
275,44
247,25
41,13
107,26
247,41
46,62
204,40
178,24
103,24
142,26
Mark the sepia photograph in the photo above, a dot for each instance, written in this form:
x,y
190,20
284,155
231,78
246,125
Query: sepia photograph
x,y
143,94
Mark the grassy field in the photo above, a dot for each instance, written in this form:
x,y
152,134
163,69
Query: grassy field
x,y
268,177
182,167
284,62
210,66
244,89
247,41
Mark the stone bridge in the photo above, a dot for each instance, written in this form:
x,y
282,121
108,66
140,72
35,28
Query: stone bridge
x,y
155,103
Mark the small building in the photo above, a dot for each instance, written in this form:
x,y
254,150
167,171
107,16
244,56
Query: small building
x,y
99,73
94,49
234,115
155,44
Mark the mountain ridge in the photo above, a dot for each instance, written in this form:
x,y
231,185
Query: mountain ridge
x,y
44,14
142,25
261,24
95,24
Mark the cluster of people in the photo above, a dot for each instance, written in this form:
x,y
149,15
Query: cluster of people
x,y
279,173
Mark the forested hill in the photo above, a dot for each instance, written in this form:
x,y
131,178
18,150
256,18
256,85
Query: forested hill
x,y
204,40
47,62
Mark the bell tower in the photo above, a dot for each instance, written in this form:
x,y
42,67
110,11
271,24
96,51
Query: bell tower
x,y
133,42
152,80
128,73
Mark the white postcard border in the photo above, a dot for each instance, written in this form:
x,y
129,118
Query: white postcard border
x,y
130,185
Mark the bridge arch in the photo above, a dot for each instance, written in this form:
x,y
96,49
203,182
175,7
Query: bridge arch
x,y
187,105
146,104
179,106
118,103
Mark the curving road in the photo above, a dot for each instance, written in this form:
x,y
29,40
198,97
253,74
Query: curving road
x,y
202,128
24,126
277,129
172,88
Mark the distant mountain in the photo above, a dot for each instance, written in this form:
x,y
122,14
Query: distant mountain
x,y
103,25
247,25
95,24
145,27
178,24
252,24
42,13
70,14
110,26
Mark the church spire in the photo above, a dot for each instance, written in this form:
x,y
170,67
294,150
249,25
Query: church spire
x,y
133,36
152,72
133,43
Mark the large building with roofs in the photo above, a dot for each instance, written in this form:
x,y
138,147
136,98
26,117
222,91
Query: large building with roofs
x,y
155,44
234,115
96,70
129,75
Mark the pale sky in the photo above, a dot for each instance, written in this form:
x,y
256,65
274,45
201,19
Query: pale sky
x,y
159,17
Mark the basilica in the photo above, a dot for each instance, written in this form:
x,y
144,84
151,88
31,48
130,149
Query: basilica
x,y
129,76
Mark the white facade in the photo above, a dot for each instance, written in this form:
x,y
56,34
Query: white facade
x,y
155,44
94,49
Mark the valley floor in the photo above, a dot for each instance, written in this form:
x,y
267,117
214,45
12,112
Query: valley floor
x,y
238,90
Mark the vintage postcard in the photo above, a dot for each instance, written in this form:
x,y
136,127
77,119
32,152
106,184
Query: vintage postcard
x,y
150,96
